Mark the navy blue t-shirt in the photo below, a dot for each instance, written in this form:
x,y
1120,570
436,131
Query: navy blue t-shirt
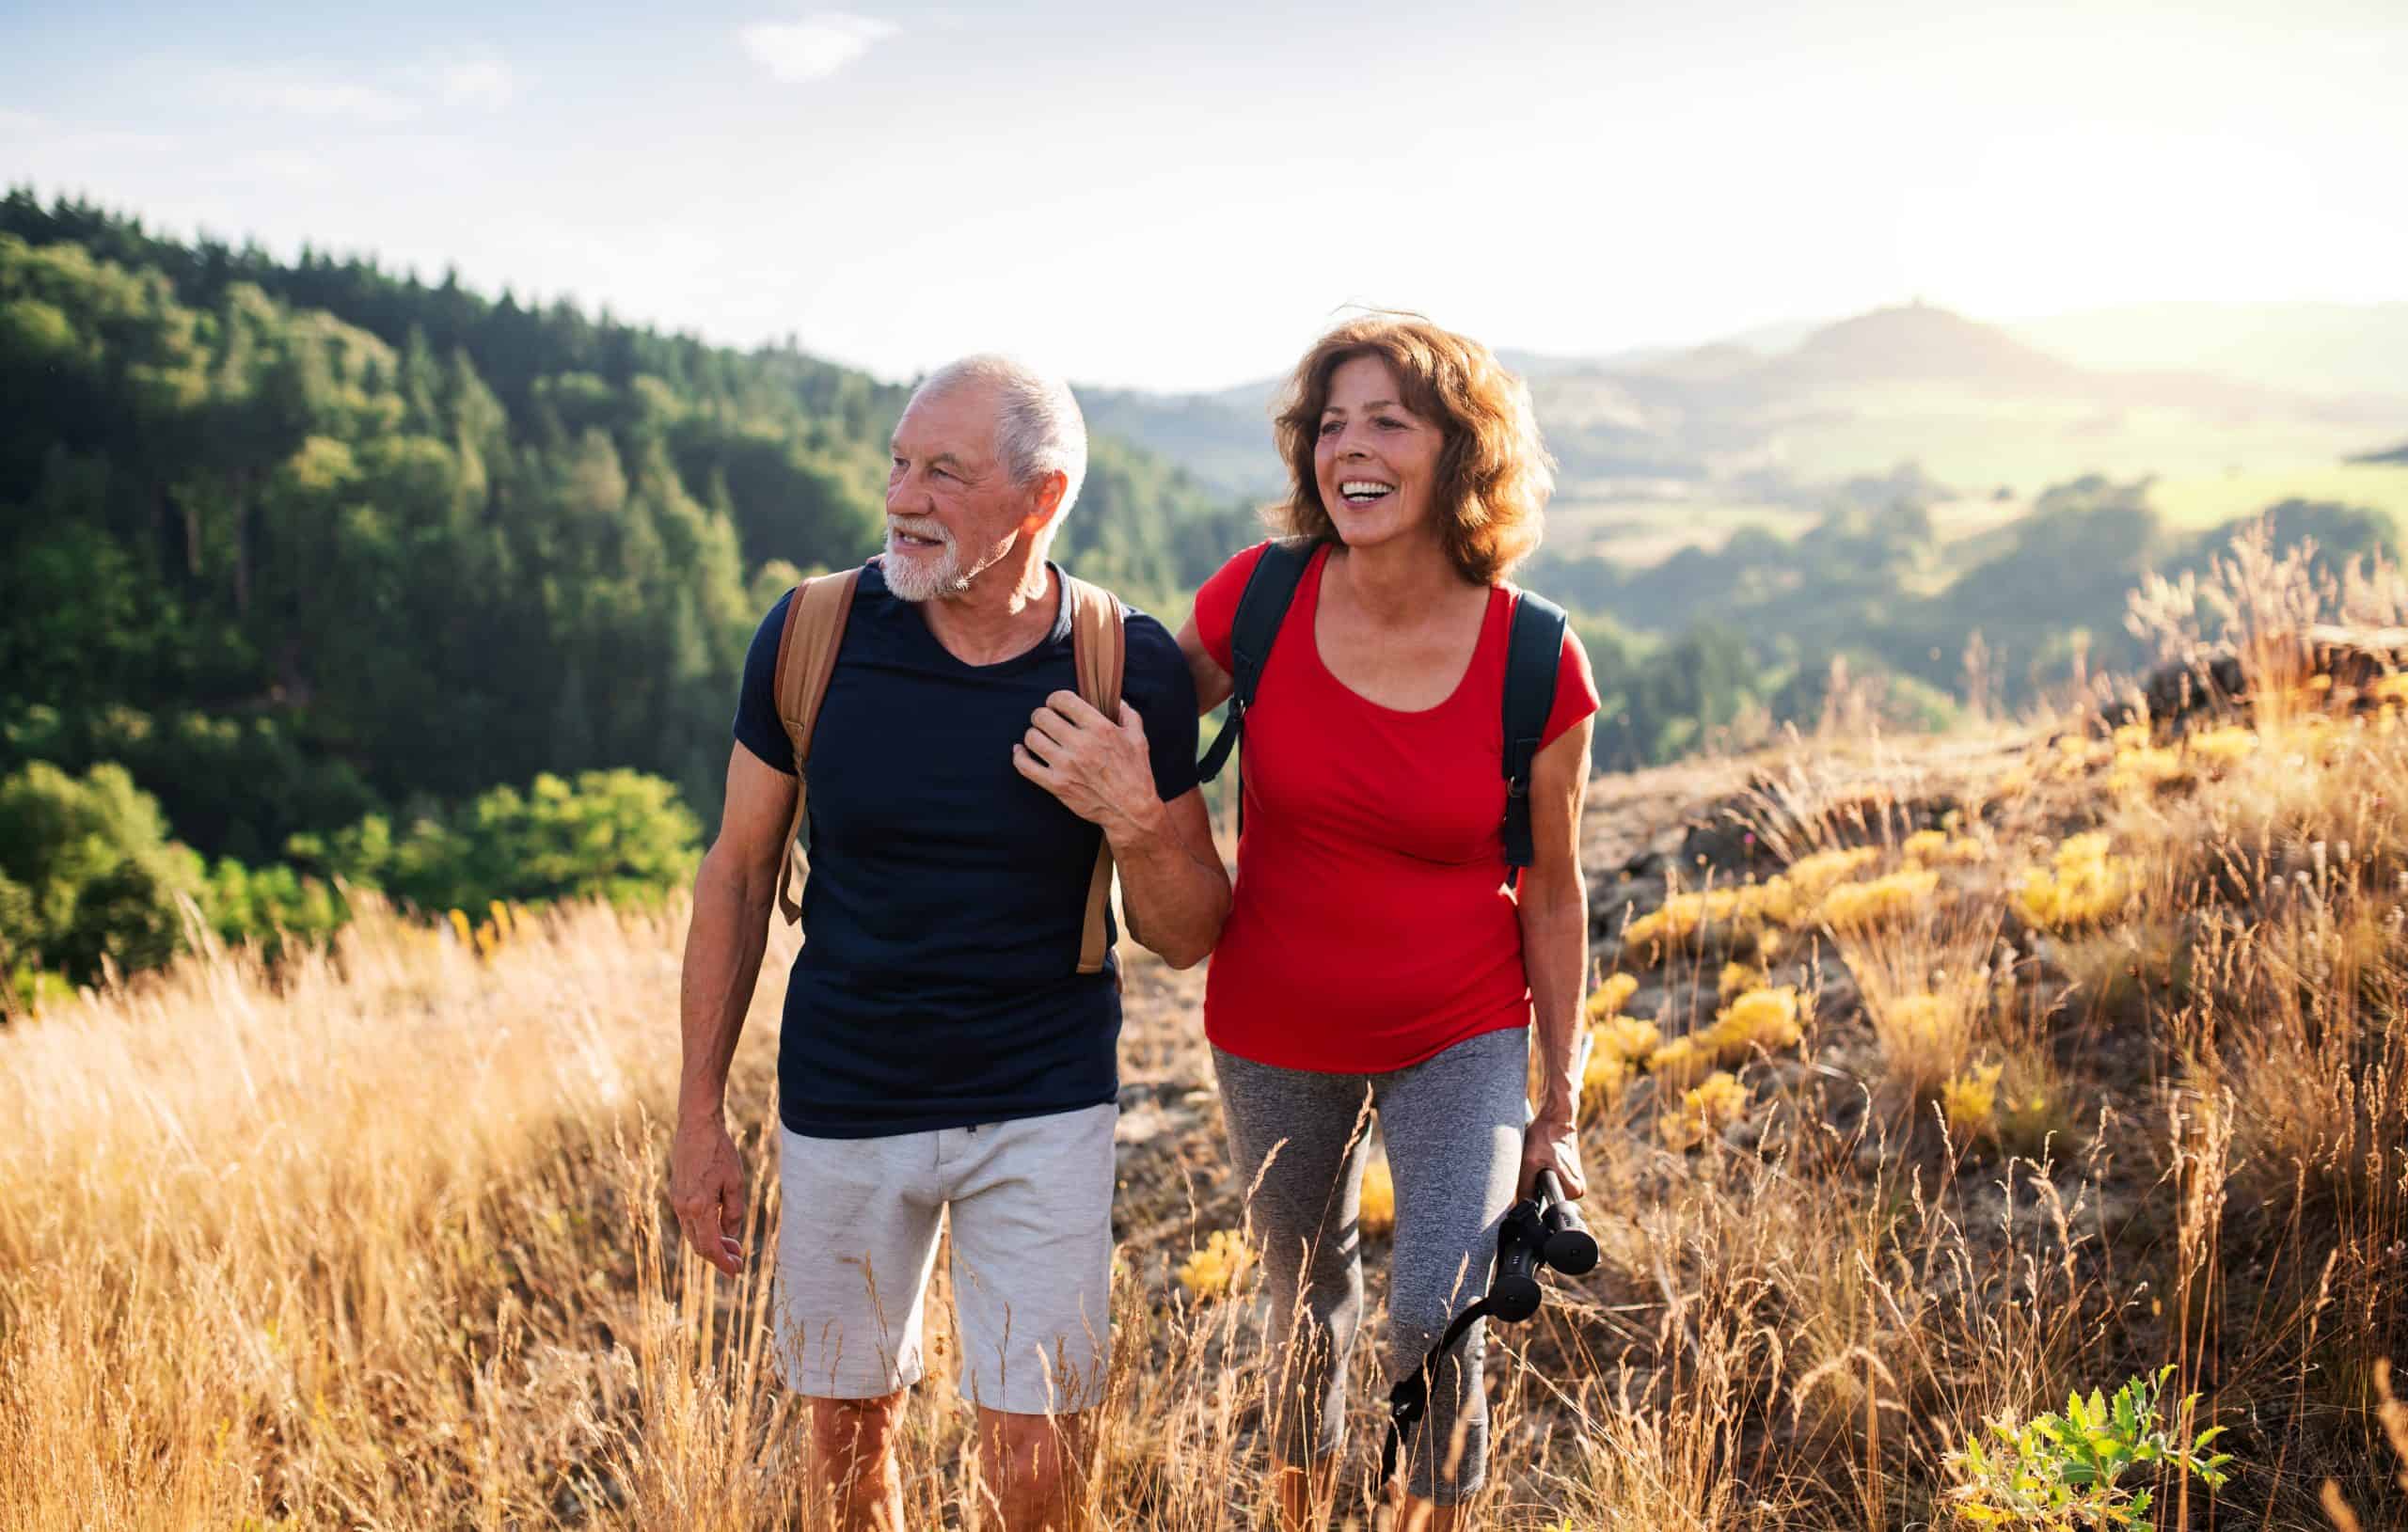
x,y
938,985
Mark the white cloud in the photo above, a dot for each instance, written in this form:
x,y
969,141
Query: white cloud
x,y
815,47
308,95
481,81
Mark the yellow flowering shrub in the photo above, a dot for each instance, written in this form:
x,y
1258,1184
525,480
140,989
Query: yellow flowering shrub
x,y
1680,1062
2137,773
1215,1269
1745,908
1378,1215
1608,998
1856,906
1809,876
2025,1117
2392,689
2225,746
1629,1038
1602,1081
1969,1102
2084,885
1925,1035
1760,1019
1736,977
2076,755
1677,917
1705,1112
1772,902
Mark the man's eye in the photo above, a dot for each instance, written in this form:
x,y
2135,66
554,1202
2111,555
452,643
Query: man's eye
x,y
900,465
939,473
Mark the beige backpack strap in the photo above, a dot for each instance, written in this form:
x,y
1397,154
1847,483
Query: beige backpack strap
x,y
1097,651
807,648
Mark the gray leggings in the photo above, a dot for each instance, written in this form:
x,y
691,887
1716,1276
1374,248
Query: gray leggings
x,y
1453,1128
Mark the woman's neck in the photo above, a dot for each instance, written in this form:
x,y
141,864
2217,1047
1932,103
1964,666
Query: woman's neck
x,y
1396,582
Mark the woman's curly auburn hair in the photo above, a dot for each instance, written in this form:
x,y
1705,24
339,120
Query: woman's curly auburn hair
x,y
1494,473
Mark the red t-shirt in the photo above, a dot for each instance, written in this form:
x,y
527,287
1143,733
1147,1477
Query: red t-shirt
x,y
1372,926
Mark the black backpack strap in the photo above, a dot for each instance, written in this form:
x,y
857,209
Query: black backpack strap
x,y
1530,659
1261,608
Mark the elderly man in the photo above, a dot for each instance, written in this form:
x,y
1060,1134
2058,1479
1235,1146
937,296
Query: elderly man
x,y
940,1046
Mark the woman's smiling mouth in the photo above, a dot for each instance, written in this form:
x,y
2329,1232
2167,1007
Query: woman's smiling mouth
x,y
1364,491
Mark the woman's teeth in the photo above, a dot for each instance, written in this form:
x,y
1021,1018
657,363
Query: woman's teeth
x,y
1363,491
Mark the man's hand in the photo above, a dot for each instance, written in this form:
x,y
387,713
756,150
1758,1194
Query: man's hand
x,y
1552,1144
707,1191
1098,766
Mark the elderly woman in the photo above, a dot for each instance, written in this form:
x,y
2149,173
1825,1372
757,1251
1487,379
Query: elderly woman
x,y
1377,949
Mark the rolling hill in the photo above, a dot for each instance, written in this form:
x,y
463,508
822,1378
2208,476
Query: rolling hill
x,y
1664,449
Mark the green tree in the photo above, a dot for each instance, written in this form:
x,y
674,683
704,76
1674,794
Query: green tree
x,y
87,873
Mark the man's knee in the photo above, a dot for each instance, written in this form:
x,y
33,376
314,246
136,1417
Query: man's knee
x,y
1036,1447
858,1432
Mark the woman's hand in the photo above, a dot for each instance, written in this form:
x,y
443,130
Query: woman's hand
x,y
1552,1144
1098,766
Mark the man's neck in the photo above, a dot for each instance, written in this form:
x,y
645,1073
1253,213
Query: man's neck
x,y
1008,608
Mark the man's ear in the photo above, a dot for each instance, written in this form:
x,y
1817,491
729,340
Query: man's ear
x,y
1045,499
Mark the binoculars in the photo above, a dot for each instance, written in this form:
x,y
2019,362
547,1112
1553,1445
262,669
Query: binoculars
x,y
1542,1229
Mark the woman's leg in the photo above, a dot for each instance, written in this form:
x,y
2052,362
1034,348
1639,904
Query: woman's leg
x,y
1298,1140
1452,1125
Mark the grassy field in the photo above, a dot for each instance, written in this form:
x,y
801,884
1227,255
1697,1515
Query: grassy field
x,y
2215,499
2209,471
1933,1081
1979,444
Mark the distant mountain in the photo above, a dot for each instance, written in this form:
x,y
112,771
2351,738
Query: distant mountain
x,y
1916,343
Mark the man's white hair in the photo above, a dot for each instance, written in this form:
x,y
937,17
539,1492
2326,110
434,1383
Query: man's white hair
x,y
1039,427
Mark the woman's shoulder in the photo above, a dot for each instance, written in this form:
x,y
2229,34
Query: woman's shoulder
x,y
1216,600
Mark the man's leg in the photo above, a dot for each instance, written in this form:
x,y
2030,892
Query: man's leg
x,y
1031,1210
1034,1468
857,1240
852,1456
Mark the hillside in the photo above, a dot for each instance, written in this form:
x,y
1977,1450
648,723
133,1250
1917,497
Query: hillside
x,y
1931,1082
300,542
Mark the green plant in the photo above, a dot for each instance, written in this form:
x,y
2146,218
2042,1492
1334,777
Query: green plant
x,y
2067,1471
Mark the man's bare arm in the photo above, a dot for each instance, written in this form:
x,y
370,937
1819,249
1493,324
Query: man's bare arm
x,y
1173,886
735,890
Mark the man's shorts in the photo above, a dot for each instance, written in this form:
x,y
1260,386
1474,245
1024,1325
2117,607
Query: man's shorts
x,y
1031,1203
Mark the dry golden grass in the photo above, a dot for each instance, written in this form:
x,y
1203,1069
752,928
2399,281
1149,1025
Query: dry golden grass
x,y
377,1242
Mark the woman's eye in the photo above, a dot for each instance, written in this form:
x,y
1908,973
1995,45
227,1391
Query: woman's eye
x,y
1391,422
1329,428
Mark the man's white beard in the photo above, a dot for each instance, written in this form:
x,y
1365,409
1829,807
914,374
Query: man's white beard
x,y
915,582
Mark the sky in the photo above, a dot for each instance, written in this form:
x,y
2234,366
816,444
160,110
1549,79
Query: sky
x,y
1181,198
